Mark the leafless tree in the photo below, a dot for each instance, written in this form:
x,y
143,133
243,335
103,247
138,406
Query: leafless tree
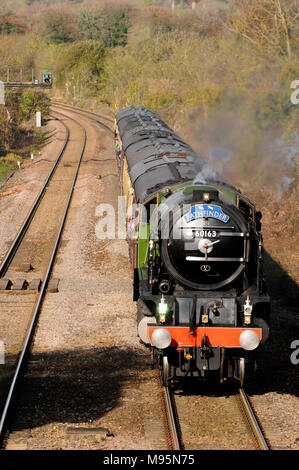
x,y
268,24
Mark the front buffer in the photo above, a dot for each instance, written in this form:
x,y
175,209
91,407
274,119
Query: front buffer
x,y
201,336
206,349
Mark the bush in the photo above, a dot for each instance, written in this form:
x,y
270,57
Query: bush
x,y
19,107
80,65
33,101
108,25
10,24
58,26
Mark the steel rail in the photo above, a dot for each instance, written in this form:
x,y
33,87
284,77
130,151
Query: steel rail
x,y
174,427
84,112
40,296
77,108
23,229
253,421
172,420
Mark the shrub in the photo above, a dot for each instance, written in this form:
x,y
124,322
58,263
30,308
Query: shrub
x,y
80,65
58,26
33,101
108,25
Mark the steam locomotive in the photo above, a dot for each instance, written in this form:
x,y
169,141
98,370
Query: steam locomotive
x,y
196,251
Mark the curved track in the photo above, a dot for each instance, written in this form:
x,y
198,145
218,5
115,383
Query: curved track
x,y
96,117
46,219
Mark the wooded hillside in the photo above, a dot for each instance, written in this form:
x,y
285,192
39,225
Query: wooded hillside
x,y
221,72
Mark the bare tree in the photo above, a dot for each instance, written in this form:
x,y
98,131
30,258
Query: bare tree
x,y
268,24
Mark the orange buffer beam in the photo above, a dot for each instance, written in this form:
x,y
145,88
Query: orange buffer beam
x,y
217,336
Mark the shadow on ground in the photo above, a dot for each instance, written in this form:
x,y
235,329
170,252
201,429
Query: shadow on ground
x,y
276,372
75,386
78,386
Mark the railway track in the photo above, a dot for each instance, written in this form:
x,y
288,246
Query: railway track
x,y
34,250
195,423
95,117
253,421
12,250
173,430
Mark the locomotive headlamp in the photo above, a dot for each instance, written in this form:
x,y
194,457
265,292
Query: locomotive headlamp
x,y
162,309
206,197
249,340
247,311
162,306
161,338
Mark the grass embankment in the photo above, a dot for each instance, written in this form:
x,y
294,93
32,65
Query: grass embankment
x,y
32,144
18,135
8,164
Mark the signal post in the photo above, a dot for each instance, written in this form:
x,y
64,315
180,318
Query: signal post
x,y
23,78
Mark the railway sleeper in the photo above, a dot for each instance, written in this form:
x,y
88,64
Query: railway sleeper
x,y
5,284
20,284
